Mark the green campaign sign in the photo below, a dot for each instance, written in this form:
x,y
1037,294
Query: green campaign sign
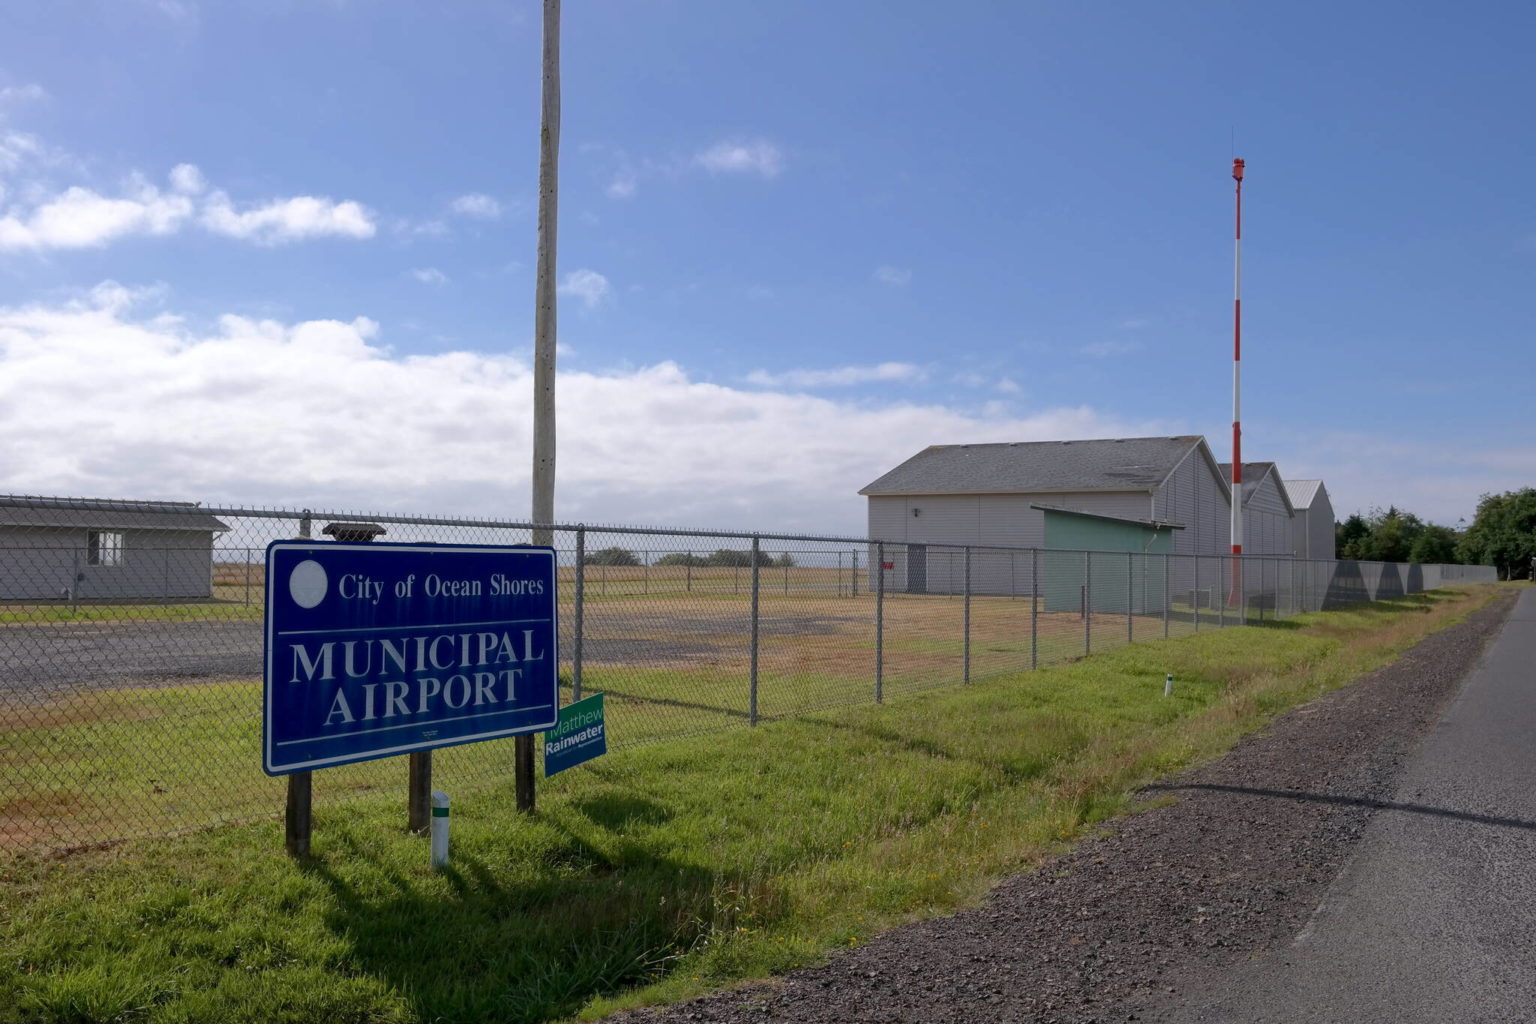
x,y
580,736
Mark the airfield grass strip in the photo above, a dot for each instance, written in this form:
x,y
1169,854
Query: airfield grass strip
x,y
665,870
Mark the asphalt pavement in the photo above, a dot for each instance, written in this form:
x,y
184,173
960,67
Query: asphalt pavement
x,y
1434,919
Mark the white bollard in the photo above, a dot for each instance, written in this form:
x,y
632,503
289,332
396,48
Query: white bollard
x,y
439,829
1167,688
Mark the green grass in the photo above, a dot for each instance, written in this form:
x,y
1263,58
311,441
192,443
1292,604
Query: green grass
x,y
663,870
59,611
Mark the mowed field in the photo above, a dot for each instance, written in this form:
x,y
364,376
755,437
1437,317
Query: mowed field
x,y
121,720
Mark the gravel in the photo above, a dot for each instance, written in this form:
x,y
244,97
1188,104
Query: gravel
x,y
1235,867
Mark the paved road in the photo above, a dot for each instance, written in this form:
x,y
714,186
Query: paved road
x,y
38,661
1434,919
46,660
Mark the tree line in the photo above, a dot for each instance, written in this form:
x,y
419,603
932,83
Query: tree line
x,y
1502,534
721,558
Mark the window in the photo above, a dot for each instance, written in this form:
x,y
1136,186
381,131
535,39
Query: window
x,y
104,548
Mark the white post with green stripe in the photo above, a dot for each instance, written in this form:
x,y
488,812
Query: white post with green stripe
x,y
439,829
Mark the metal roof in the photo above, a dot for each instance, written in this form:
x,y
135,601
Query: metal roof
x,y
106,514
1303,492
1029,467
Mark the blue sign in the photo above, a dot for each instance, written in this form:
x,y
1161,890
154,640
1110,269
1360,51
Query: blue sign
x,y
374,650
581,735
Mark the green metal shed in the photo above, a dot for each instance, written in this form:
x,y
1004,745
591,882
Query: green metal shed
x,y
1127,570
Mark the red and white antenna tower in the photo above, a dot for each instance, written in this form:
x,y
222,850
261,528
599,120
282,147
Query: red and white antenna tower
x,y
1237,389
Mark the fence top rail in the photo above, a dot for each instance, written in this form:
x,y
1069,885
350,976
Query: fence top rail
x,y
246,512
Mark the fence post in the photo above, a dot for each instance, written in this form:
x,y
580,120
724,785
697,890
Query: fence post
x,y
1262,563
1034,608
581,608
1130,596
736,580
247,577
966,675
853,573
688,561
785,554
1087,603
1222,572
1167,593
839,574
1195,594
752,704
880,623
645,572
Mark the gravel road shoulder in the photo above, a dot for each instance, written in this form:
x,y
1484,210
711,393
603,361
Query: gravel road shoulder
x,y
1233,868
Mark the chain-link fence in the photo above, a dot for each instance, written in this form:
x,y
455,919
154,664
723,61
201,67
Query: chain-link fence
x,y
131,641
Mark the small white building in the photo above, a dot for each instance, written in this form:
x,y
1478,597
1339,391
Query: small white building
x,y
101,550
1268,514
1314,534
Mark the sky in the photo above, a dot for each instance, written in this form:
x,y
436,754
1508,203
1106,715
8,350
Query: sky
x,y
280,252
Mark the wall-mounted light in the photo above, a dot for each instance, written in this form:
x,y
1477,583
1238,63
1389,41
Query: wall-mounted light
x,y
916,512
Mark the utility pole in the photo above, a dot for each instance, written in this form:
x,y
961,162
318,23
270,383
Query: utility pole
x,y
1237,392
543,513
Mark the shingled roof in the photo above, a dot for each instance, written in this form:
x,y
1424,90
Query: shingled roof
x,y
1032,467
1253,475
105,514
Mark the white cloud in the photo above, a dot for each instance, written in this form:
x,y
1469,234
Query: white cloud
x,y
754,156
178,10
1008,386
21,93
232,413
1104,349
838,377
429,275
287,220
896,277
82,218
477,205
624,185
79,218
625,173
420,228
187,179
589,286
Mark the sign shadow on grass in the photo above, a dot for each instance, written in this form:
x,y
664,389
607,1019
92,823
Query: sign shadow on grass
x,y
535,941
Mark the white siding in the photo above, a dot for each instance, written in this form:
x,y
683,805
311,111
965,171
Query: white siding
x,y
1314,527
45,563
1004,520
1267,524
1195,497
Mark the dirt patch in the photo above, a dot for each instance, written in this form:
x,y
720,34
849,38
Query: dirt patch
x,y
61,713
1097,934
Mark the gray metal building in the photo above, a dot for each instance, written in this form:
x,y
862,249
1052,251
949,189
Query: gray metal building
x,y
92,551
1268,515
1002,494
1314,535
